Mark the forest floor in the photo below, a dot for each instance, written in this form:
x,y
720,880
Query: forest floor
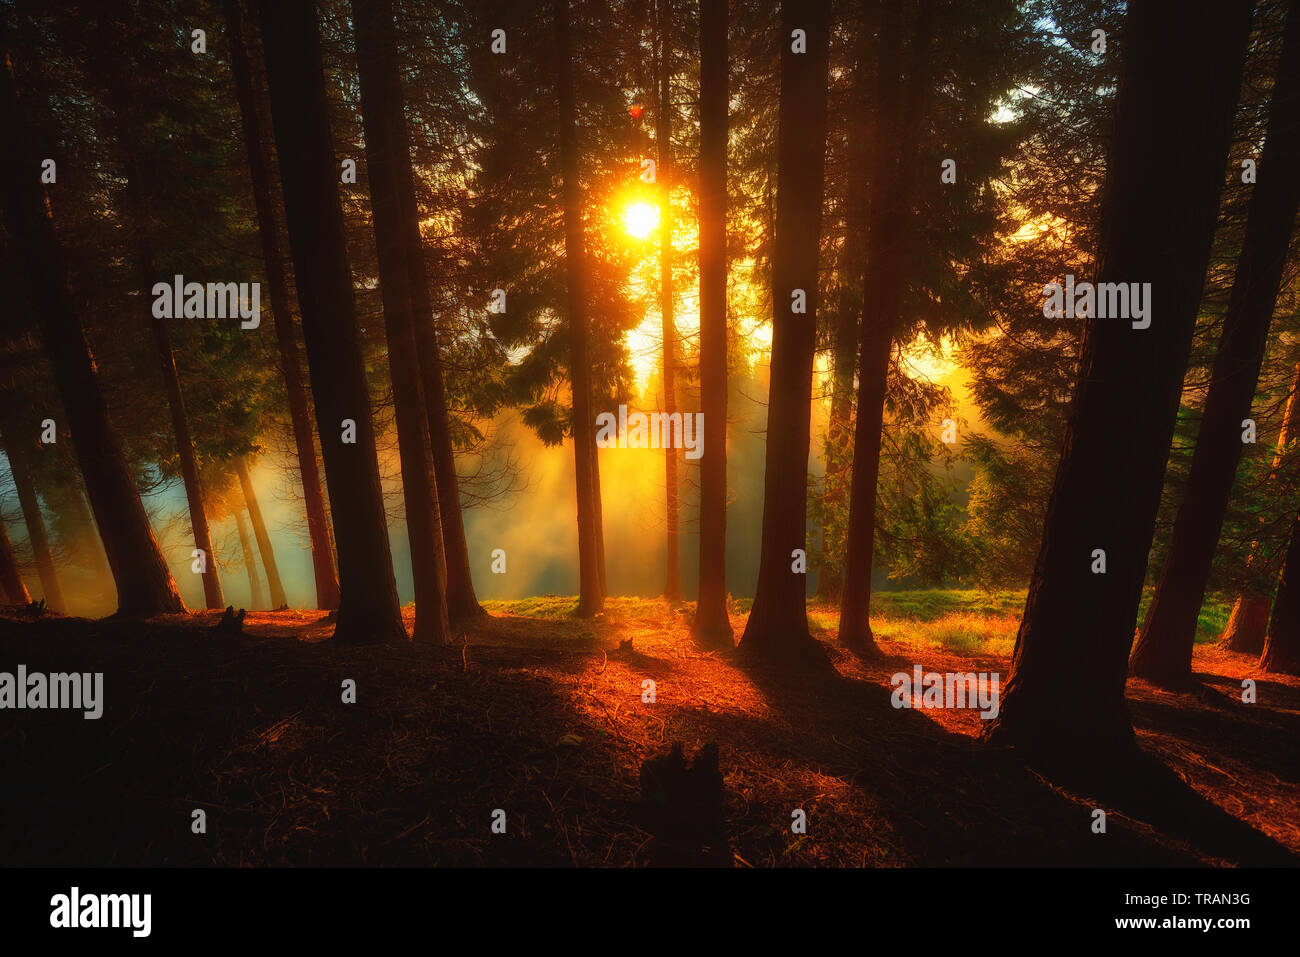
x,y
541,715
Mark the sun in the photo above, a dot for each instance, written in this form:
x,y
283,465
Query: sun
x,y
640,219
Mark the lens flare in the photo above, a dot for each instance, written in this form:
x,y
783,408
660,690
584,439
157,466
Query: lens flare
x,y
640,219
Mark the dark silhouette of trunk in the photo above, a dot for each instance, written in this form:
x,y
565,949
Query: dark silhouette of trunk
x,y
1248,622
591,586
11,581
712,625
255,597
1065,695
462,603
278,599
1282,646
368,607
663,178
380,98
259,170
126,124
844,356
35,522
895,160
1164,649
778,622
144,584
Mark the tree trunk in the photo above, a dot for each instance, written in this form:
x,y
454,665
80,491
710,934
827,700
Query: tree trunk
x,y
35,522
144,584
94,544
898,131
1164,650
462,603
663,178
125,124
712,627
591,597
255,598
380,99
259,169
1177,97
368,606
11,581
778,622
278,599
1282,646
852,273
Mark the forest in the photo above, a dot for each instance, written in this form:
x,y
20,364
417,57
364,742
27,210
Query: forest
x,y
621,433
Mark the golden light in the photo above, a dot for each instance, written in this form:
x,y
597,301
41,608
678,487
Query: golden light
x,y
640,219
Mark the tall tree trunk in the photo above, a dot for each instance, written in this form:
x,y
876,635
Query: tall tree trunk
x,y
591,598
1164,650
1177,97
1248,622
663,177
712,625
11,581
462,603
368,606
380,99
898,131
278,599
839,429
255,597
1282,646
144,584
778,622
259,169
126,125
94,545
35,521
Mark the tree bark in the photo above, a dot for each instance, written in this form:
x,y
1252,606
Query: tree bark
x,y
11,581
591,598
663,179
1282,646
368,609
712,626
259,170
278,599
35,522
1163,653
255,597
892,184
462,603
145,586
380,98
778,621
1177,97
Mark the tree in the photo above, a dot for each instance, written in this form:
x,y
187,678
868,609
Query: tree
x,y
1163,653
778,622
380,98
1282,645
712,626
591,597
145,586
255,598
11,581
35,522
898,121
1177,98
368,608
253,124
278,598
